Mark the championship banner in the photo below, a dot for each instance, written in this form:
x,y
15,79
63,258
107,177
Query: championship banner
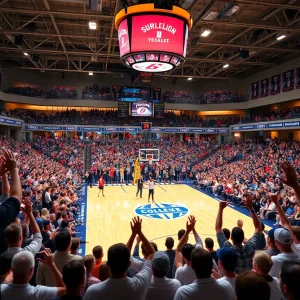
x,y
298,78
137,170
275,85
264,88
255,90
288,80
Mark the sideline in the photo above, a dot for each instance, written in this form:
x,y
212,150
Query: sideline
x,y
81,229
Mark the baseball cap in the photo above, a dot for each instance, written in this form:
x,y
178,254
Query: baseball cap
x,y
283,236
161,262
46,222
228,258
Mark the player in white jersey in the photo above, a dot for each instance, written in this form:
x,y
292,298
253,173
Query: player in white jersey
x,y
151,184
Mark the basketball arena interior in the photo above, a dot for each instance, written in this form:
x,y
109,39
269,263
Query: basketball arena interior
x,y
150,149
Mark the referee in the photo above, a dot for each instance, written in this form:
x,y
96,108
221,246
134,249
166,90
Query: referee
x,y
140,183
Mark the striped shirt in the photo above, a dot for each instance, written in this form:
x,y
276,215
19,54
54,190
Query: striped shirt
x,y
244,253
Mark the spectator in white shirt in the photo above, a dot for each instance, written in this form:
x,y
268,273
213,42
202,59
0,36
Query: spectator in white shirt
x,y
295,230
283,241
289,280
161,287
251,286
227,261
205,286
185,274
23,269
262,264
119,286
14,236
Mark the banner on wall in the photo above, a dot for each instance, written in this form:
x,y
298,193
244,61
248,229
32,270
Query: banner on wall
x,y
288,80
131,129
264,88
298,78
275,85
255,90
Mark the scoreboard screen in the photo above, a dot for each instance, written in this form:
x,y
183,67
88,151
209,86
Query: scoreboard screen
x,y
146,126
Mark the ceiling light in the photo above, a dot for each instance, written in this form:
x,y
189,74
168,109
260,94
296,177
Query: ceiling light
x,y
280,37
26,54
91,73
92,25
225,66
190,78
205,33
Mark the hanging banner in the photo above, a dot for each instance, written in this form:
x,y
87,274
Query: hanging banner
x,y
275,85
264,88
255,90
288,78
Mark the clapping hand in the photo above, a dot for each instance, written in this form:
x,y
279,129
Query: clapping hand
x,y
190,224
47,257
136,225
8,161
27,208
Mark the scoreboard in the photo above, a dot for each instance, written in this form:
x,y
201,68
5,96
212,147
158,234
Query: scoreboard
x,y
146,126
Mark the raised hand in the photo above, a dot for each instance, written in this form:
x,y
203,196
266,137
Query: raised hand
x,y
223,204
274,197
249,201
240,223
48,257
9,160
290,175
136,225
27,209
190,224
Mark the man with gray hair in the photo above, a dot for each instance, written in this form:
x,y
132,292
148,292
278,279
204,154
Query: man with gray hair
x,y
23,268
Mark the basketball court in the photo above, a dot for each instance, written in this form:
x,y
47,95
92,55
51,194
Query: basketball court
x,y
108,217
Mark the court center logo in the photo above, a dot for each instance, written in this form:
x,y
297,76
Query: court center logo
x,y
161,211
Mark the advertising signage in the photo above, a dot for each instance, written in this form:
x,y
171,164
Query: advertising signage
x,y
265,126
130,129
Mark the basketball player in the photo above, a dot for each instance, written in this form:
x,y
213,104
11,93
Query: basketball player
x,y
140,183
151,184
101,185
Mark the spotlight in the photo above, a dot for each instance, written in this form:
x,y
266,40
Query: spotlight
x,y
26,54
190,78
225,66
91,73
92,25
280,37
205,32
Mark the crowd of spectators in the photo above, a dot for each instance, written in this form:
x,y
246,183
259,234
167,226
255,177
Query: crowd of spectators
x,y
213,97
179,97
29,91
44,183
62,92
253,166
110,117
216,97
96,92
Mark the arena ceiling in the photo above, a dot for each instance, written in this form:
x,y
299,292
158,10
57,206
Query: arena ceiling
x,y
56,36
